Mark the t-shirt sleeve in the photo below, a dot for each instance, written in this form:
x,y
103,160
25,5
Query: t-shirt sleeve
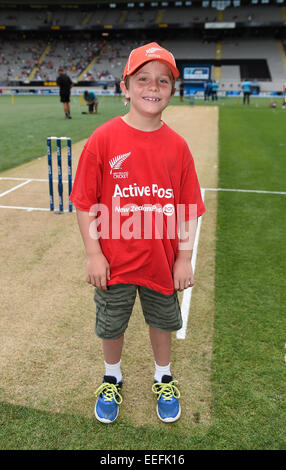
x,y
87,184
191,202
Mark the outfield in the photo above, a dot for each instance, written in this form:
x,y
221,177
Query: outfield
x,y
233,356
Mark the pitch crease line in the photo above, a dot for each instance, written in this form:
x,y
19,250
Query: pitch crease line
x,y
257,191
187,295
30,209
15,187
41,180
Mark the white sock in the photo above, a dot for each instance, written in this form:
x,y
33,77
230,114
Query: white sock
x,y
113,370
160,371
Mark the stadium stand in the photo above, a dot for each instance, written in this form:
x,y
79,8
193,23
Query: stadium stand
x,y
263,49
262,14
93,44
254,14
18,58
191,49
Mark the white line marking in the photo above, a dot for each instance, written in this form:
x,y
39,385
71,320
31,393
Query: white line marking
x,y
41,180
258,191
30,209
187,295
15,187
13,179
245,191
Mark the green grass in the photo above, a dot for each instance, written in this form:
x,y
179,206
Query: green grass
x,y
250,325
27,123
248,365
258,159
248,378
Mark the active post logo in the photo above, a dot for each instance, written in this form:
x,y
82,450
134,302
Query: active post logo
x,y
168,209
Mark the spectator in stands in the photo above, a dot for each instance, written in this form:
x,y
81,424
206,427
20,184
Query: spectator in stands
x,y
91,101
246,88
65,84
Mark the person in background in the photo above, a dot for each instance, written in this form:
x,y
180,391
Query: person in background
x,y
214,90
182,89
65,84
207,90
284,96
91,101
117,89
246,88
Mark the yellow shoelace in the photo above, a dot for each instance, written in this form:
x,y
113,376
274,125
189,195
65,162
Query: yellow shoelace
x,y
167,390
110,392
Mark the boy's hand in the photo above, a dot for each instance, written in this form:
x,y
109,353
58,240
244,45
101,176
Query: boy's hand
x,y
183,272
97,271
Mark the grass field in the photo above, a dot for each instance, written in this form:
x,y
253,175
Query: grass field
x,y
27,123
248,366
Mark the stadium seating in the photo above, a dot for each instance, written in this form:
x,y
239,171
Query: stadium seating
x,y
74,17
90,57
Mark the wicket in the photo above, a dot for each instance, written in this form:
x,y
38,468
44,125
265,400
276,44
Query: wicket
x,y
59,163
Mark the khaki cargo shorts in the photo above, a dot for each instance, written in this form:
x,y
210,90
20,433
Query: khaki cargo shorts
x,y
114,307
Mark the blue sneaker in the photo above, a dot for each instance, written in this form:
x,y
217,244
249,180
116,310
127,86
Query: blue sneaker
x,y
168,407
107,405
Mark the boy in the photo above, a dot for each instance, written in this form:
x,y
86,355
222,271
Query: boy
x,y
135,165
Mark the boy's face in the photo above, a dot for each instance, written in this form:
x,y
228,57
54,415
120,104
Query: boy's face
x,y
149,89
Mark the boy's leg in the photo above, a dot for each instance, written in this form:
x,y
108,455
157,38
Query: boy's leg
x,y
163,311
107,406
113,310
161,345
112,349
168,406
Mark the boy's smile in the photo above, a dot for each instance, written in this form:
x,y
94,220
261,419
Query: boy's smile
x,y
149,98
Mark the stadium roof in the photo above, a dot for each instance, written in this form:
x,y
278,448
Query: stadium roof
x,y
97,3
58,3
94,4
88,3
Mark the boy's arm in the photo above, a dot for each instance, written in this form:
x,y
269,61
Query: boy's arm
x,y
182,270
97,267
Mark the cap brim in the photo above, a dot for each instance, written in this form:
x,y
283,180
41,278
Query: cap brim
x,y
174,70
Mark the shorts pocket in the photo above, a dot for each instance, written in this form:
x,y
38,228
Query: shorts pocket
x,y
113,311
101,316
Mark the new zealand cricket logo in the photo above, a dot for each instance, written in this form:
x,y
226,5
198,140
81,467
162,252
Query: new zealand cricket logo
x,y
116,162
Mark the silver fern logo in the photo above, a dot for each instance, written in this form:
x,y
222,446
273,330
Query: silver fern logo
x,y
153,49
117,162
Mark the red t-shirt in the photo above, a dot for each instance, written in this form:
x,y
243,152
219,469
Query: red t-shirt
x,y
137,183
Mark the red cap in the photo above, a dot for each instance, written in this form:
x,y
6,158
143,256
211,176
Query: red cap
x,y
146,53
